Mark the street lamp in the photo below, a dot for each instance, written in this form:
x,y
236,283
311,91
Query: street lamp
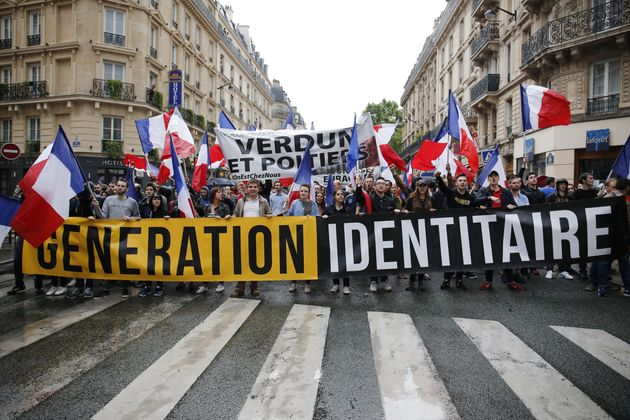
x,y
227,84
491,15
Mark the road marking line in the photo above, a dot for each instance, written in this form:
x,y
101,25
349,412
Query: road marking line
x,y
409,383
605,347
286,386
543,390
35,331
154,393
30,392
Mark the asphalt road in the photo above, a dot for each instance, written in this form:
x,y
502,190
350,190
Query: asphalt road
x,y
79,369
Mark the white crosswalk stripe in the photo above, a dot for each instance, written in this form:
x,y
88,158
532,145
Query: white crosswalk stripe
x,y
543,390
605,347
409,383
286,387
21,337
154,393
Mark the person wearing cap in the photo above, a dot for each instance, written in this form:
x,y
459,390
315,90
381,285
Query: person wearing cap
x,y
495,196
561,195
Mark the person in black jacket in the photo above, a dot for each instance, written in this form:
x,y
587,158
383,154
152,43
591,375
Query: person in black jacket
x,y
585,191
336,209
156,211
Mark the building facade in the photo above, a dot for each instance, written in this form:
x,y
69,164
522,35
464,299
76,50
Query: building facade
x,y
281,107
576,47
94,67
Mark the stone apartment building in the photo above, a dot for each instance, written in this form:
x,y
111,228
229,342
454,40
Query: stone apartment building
x,y
280,109
579,48
94,67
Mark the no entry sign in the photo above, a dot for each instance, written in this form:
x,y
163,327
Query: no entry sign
x,y
10,151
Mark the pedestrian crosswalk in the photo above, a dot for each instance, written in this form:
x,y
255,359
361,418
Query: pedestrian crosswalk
x,y
288,384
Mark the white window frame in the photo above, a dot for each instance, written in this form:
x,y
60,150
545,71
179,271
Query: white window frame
x,y
33,125
606,92
6,71
153,79
6,27
114,26
34,72
34,22
6,130
508,62
187,25
174,53
114,66
174,12
153,37
109,123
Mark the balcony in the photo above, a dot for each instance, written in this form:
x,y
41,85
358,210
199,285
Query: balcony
x,y
469,114
153,52
155,98
154,4
25,90
576,28
484,87
112,148
188,115
210,125
479,7
603,105
200,121
31,147
113,89
114,39
485,43
6,43
32,40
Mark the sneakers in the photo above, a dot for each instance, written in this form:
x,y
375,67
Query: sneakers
x,y
486,285
460,285
76,292
87,293
39,291
101,294
565,275
293,288
60,291
158,291
237,293
125,292
590,287
446,284
307,288
346,290
602,292
334,289
255,291
16,289
626,292
515,286
144,292
549,274
71,283
51,291
220,288
471,276
373,287
201,290
385,286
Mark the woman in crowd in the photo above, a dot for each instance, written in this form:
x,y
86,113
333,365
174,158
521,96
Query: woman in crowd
x,y
156,211
216,208
320,200
338,208
303,207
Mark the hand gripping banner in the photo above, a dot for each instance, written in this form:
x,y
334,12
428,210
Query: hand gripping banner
x,y
307,248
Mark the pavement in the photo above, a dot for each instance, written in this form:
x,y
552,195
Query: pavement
x,y
77,367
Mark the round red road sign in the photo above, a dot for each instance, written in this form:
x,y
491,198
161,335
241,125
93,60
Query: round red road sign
x,y
10,151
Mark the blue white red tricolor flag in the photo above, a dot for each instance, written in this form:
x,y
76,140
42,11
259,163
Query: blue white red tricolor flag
x,y
542,107
200,173
458,129
303,176
387,156
224,121
152,131
288,123
184,202
47,195
494,163
8,207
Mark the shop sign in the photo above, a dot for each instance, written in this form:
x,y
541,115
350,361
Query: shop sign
x,y
528,151
597,140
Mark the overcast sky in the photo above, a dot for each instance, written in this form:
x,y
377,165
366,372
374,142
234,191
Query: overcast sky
x,y
334,57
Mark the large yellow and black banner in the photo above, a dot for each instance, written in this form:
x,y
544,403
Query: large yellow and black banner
x,y
308,248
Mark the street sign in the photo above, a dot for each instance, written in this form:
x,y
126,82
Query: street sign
x,y
10,151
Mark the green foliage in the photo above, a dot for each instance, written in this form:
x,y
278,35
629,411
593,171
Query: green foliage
x,y
157,99
188,115
387,112
210,126
200,121
114,89
154,156
113,149
31,148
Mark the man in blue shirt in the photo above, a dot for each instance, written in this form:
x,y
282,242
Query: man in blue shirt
x,y
277,199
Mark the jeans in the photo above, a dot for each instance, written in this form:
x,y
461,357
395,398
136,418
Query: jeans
x,y
603,271
346,281
509,274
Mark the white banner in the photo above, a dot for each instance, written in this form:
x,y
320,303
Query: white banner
x,y
273,154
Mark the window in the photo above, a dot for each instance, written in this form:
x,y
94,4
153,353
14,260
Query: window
x,y
186,101
187,27
198,37
34,72
174,55
605,78
6,72
153,37
508,116
221,64
34,23
460,69
112,128
174,13
508,62
113,71
186,68
5,27
450,46
114,27
232,73
33,129
461,31
198,74
153,80
6,130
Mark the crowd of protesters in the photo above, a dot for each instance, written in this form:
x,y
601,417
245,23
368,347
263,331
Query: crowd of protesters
x,y
370,195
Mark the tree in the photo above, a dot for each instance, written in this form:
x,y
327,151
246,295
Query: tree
x,y
387,112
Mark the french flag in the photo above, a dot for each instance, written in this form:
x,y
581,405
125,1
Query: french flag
x,y
152,131
303,176
494,163
288,123
181,136
200,173
387,155
138,162
224,121
458,129
621,166
184,202
47,201
353,153
542,108
8,208
430,151
217,159
26,183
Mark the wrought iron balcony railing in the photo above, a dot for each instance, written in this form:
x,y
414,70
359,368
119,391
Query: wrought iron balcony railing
x,y
603,105
24,90
578,25
6,43
155,98
33,40
113,148
113,89
114,39
153,52
489,33
490,83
